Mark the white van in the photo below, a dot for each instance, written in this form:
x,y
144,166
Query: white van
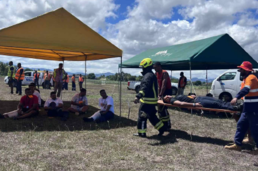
x,y
29,75
227,85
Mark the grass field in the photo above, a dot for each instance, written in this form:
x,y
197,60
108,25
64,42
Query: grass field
x,y
194,142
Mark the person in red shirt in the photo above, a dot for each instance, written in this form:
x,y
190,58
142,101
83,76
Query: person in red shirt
x,y
28,105
164,89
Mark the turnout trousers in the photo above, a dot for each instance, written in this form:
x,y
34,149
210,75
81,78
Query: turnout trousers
x,y
163,111
148,111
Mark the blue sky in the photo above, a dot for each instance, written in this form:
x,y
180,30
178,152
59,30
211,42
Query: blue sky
x,y
135,26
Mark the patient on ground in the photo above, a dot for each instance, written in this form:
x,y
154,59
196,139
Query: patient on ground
x,y
200,101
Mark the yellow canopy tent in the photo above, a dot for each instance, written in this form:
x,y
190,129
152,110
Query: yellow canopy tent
x,y
56,35
59,36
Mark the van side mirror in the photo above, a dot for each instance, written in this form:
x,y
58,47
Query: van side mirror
x,y
218,79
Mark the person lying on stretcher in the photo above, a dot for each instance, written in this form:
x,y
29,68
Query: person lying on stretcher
x,y
200,101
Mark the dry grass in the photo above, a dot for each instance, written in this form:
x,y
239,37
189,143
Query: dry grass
x,y
194,143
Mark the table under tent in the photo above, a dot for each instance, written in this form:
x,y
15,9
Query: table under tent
x,y
218,52
58,36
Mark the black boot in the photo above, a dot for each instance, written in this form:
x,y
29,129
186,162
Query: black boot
x,y
142,135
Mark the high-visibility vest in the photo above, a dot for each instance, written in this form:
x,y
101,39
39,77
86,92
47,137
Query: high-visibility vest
x,y
67,79
47,75
54,75
160,79
80,79
73,78
251,82
182,81
18,74
9,74
35,76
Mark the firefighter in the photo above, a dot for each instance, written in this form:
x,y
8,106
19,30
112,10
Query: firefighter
x,y
249,116
148,96
19,76
165,88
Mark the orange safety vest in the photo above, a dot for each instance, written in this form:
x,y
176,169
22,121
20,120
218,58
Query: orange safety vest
x,y
67,80
80,79
160,79
251,82
73,78
17,75
35,76
45,76
182,82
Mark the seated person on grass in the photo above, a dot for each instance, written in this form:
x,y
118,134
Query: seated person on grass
x,y
106,111
201,101
32,86
79,104
54,106
27,107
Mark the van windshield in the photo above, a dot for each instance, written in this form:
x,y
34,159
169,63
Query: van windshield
x,y
228,76
27,74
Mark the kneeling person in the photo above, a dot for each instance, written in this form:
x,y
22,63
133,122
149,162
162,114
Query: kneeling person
x,y
79,103
54,106
201,101
106,111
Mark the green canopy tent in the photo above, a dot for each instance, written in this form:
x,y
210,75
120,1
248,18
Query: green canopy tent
x,y
218,52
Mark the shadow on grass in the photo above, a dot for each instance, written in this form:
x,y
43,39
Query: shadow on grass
x,y
173,135
43,123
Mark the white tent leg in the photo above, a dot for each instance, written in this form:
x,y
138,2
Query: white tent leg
x,y
85,70
191,77
120,93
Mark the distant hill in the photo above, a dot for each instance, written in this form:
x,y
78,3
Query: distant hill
x,y
70,73
109,73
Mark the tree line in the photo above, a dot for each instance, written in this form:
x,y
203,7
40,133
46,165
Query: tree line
x,y
4,68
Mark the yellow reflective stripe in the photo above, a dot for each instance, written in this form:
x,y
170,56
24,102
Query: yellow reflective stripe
x,y
150,99
159,125
141,131
148,102
142,93
154,91
164,119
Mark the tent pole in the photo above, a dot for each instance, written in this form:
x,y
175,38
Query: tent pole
x,y
55,85
85,70
191,76
171,75
120,93
207,80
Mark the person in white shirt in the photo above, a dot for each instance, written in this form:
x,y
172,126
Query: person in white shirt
x,y
32,86
54,106
106,112
79,103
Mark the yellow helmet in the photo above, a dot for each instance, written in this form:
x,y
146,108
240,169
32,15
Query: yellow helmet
x,y
146,63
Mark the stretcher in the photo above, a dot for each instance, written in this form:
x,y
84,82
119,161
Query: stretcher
x,y
160,102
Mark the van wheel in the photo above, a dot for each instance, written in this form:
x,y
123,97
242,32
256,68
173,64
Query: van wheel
x,y
226,97
174,91
137,89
